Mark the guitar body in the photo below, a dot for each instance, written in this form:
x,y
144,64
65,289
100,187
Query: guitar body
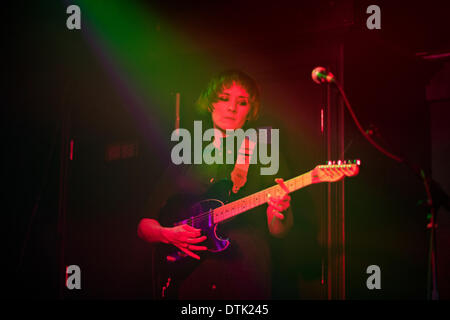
x,y
196,211
199,216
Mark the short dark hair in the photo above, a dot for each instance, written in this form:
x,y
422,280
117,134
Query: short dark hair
x,y
224,80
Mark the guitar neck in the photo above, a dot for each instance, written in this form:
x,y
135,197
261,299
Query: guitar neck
x,y
237,207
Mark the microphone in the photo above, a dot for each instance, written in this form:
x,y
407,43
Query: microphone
x,y
321,75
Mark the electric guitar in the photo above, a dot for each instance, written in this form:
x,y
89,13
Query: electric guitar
x,y
212,210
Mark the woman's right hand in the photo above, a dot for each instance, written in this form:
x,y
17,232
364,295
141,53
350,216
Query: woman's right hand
x,y
185,238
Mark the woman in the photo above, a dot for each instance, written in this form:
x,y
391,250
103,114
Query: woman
x,y
242,271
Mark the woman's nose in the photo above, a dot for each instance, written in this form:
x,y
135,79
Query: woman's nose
x,y
232,106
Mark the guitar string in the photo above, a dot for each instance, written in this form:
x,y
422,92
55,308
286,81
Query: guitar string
x,y
206,214
270,189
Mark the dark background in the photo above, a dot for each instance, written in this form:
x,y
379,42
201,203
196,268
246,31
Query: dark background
x,y
54,74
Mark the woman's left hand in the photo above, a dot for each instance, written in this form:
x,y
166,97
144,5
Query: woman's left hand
x,y
279,204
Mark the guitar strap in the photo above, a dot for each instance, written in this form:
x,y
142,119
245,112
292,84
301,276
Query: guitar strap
x,y
239,173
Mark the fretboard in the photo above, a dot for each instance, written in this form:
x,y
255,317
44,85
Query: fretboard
x,y
237,207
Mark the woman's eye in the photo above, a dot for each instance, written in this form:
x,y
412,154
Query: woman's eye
x,y
243,103
223,98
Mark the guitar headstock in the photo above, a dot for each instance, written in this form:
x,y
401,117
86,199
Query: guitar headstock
x,y
332,171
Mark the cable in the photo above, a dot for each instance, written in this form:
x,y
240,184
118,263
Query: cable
x,y
347,104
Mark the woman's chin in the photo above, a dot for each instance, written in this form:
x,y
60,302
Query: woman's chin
x,y
229,126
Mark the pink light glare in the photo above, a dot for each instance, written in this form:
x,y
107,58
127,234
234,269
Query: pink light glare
x,y
71,150
321,120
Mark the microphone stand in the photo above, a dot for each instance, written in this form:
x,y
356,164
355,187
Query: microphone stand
x,y
432,291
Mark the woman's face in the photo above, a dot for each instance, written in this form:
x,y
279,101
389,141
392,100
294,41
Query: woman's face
x,y
231,110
